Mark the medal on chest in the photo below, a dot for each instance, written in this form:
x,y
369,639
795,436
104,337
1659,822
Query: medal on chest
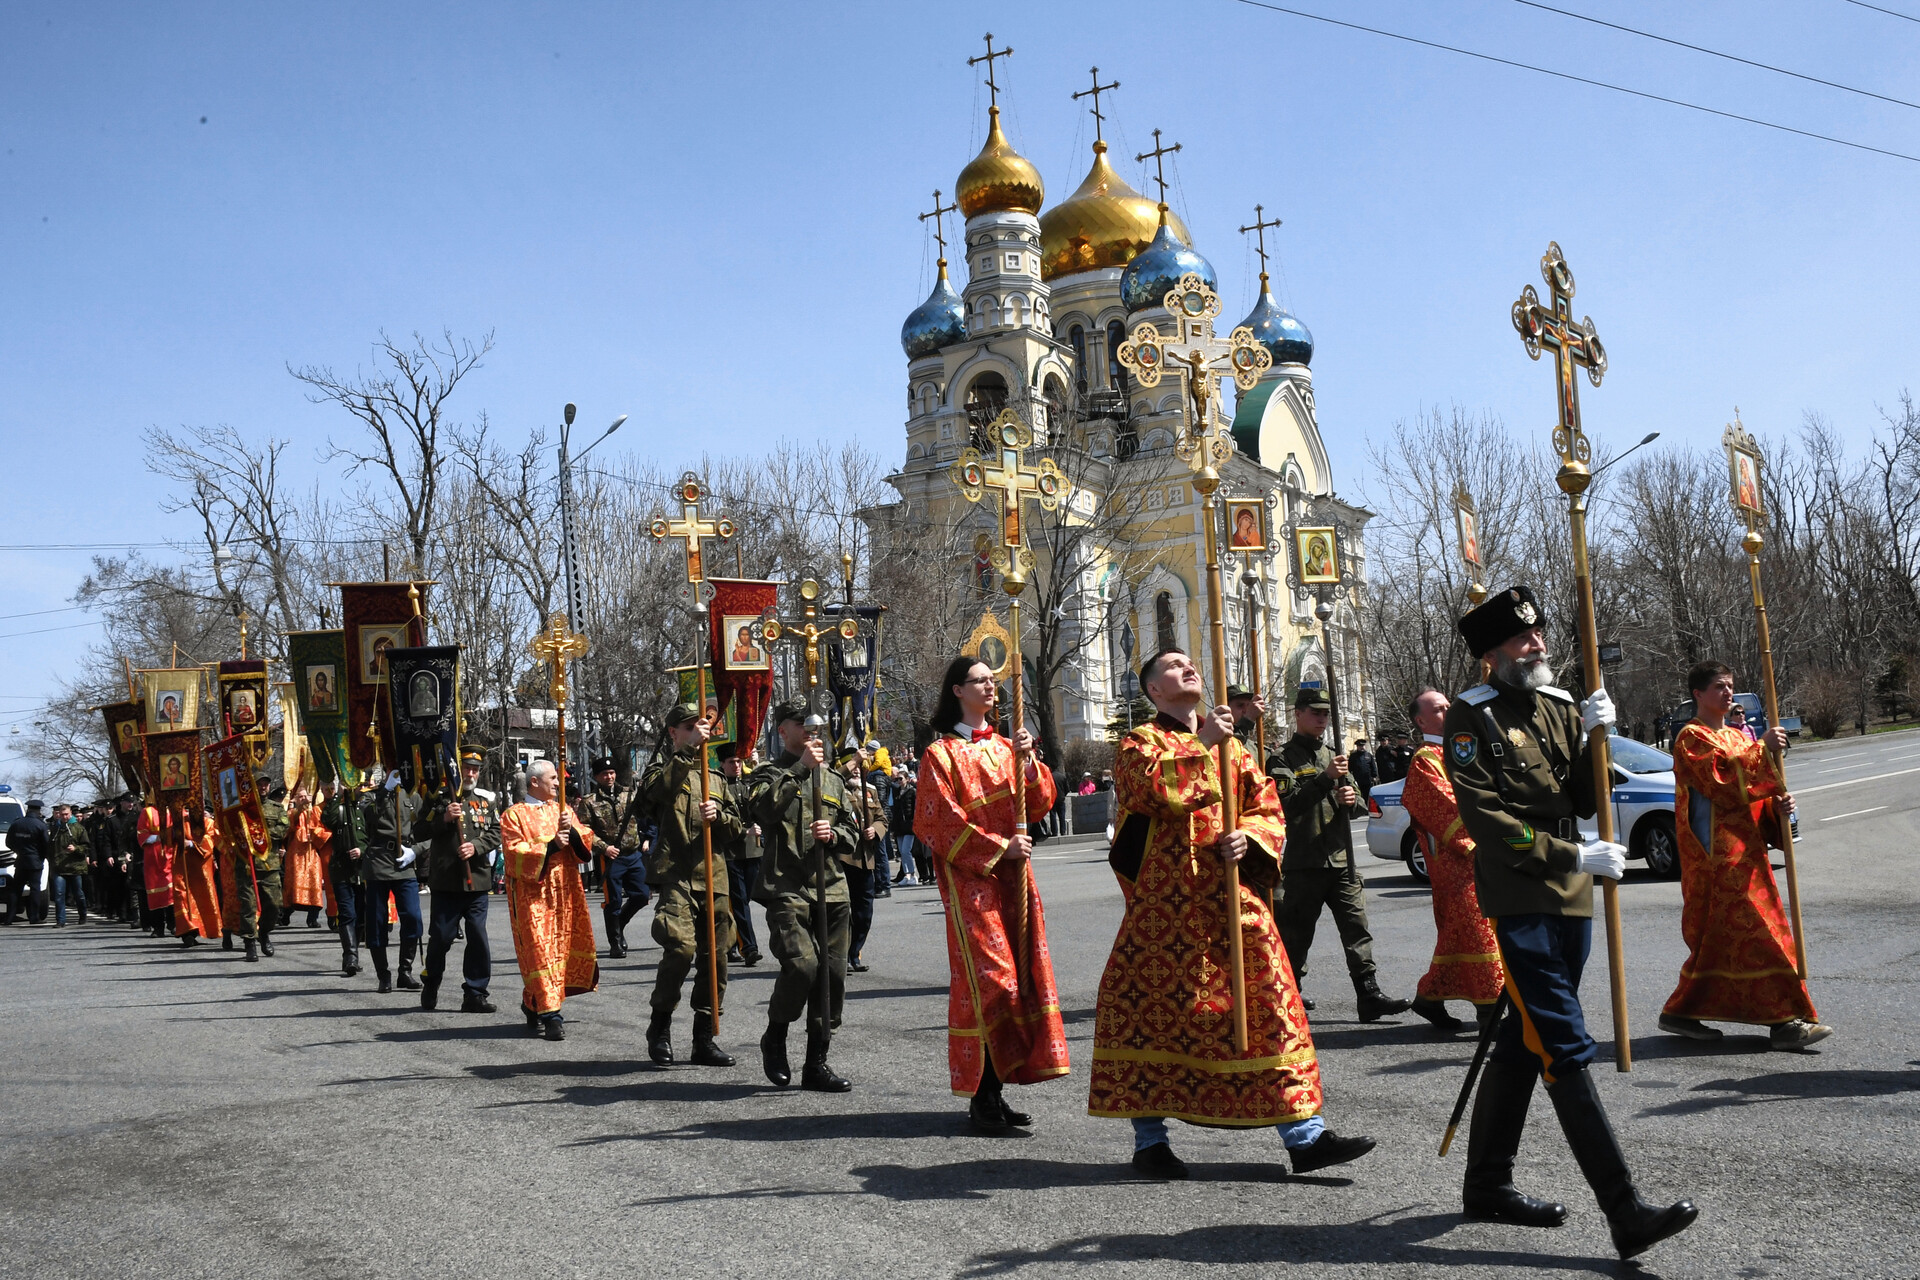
x,y
1517,736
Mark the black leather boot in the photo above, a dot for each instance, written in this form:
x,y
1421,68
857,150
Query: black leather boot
x,y
226,942
986,1111
1374,1004
407,981
266,941
773,1054
816,1074
349,956
379,957
1637,1226
705,1052
616,936
660,1038
1499,1114
429,991
1435,1011
253,951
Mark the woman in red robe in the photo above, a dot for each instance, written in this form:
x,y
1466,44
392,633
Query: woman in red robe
x,y
1741,964
543,845
1466,956
1163,1042
1003,1012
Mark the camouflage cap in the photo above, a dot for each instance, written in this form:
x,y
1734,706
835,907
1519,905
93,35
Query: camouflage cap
x,y
682,713
1235,691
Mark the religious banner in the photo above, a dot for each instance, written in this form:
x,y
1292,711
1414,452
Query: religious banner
x,y
296,762
378,616
852,668
126,721
318,661
243,824
723,716
741,678
425,721
243,705
173,768
173,698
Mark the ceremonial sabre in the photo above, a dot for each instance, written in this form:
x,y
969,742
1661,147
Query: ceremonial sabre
x,y
810,630
1191,307
1473,1071
1577,346
1744,467
690,529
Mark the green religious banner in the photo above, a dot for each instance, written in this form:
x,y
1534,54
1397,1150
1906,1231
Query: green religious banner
x,y
318,661
725,723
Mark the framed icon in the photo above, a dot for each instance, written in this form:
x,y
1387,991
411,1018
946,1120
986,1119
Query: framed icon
x,y
423,696
1246,524
1468,525
992,645
1746,479
173,699
374,643
243,708
323,688
1319,552
229,788
176,771
744,650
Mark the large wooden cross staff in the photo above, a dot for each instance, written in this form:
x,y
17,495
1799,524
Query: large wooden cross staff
x,y
1576,346
690,530
1201,357
1006,475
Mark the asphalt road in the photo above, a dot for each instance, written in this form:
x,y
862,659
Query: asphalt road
x,y
182,1114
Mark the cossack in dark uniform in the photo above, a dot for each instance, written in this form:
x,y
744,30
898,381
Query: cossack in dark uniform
x,y
463,834
622,835
1522,771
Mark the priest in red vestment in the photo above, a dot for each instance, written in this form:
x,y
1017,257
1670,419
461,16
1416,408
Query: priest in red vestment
x,y
1163,1025
196,890
1466,955
1003,1012
1740,964
543,845
309,845
155,833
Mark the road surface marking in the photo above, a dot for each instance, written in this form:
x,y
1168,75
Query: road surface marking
x,y
1850,782
1911,755
1856,813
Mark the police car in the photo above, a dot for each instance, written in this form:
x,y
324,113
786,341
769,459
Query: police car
x,y
1642,813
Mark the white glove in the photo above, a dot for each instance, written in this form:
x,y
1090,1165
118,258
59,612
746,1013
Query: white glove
x,y
1597,710
406,856
1604,858
393,779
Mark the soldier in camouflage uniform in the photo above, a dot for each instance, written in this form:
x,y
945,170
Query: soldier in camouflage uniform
x,y
1317,868
795,845
670,790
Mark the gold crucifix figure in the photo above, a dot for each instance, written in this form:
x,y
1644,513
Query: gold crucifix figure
x,y
1005,473
1201,356
691,528
556,645
1575,346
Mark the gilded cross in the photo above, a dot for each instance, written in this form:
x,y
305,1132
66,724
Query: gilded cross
x,y
1259,228
1095,93
556,645
1158,155
993,90
810,630
1202,356
939,215
1575,346
691,528
1004,472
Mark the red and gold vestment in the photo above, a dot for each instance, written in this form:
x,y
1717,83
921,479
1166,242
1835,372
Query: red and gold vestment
x,y
552,932
1466,957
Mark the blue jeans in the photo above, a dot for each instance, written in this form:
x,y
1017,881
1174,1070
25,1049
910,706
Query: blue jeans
x,y
406,893
346,897
60,886
450,908
1152,1130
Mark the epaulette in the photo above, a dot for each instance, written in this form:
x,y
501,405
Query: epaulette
x,y
1478,694
484,794
1553,692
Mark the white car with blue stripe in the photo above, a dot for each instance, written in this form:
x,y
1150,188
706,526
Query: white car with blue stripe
x,y
1642,813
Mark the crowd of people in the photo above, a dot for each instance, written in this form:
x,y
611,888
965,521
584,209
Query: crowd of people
x,y
1225,864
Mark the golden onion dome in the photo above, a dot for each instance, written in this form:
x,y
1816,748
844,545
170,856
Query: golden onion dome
x,y
1103,224
999,178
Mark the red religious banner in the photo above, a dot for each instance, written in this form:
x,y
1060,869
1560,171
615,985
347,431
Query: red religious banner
x,y
243,705
376,616
126,721
243,824
742,663
173,768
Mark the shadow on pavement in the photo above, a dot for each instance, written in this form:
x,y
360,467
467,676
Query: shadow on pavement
x,y
809,1128
495,1030
1405,1240
1789,1086
655,1089
1655,1048
881,993
1345,1034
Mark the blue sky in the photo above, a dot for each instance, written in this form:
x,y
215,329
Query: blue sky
x,y
704,216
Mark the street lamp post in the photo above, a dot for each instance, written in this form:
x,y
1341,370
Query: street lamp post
x,y
570,547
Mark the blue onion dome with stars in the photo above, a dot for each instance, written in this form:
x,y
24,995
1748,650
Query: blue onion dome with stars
x,y
1284,337
1158,268
938,322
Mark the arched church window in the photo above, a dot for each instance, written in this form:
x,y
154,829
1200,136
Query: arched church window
x,y
986,397
1055,392
1077,338
1163,621
1116,374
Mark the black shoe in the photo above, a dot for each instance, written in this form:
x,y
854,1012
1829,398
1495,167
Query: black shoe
x,y
750,959
407,981
660,1038
884,893
226,942
1158,1161
533,1020
984,1113
856,965
1018,1119
616,949
1327,1150
1499,1114
1636,1225
471,1003
430,992
1435,1011
349,964
266,945
816,1074
1306,1002
1373,1004
773,1055
253,952
705,1052
553,1027
733,955
386,983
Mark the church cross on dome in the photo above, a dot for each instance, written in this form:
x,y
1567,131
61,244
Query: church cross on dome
x,y
1259,229
1157,155
938,214
1095,93
993,90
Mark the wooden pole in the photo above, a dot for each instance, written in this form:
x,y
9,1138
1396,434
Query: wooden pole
x,y
1752,543
1229,807
1575,485
715,956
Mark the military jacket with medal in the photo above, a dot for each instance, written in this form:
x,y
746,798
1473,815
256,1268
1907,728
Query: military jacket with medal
x,y
1303,773
1522,773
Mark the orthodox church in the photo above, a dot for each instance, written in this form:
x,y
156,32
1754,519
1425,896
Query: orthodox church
x,y
1049,296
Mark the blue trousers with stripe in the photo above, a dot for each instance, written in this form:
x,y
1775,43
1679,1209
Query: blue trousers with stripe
x,y
1544,956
